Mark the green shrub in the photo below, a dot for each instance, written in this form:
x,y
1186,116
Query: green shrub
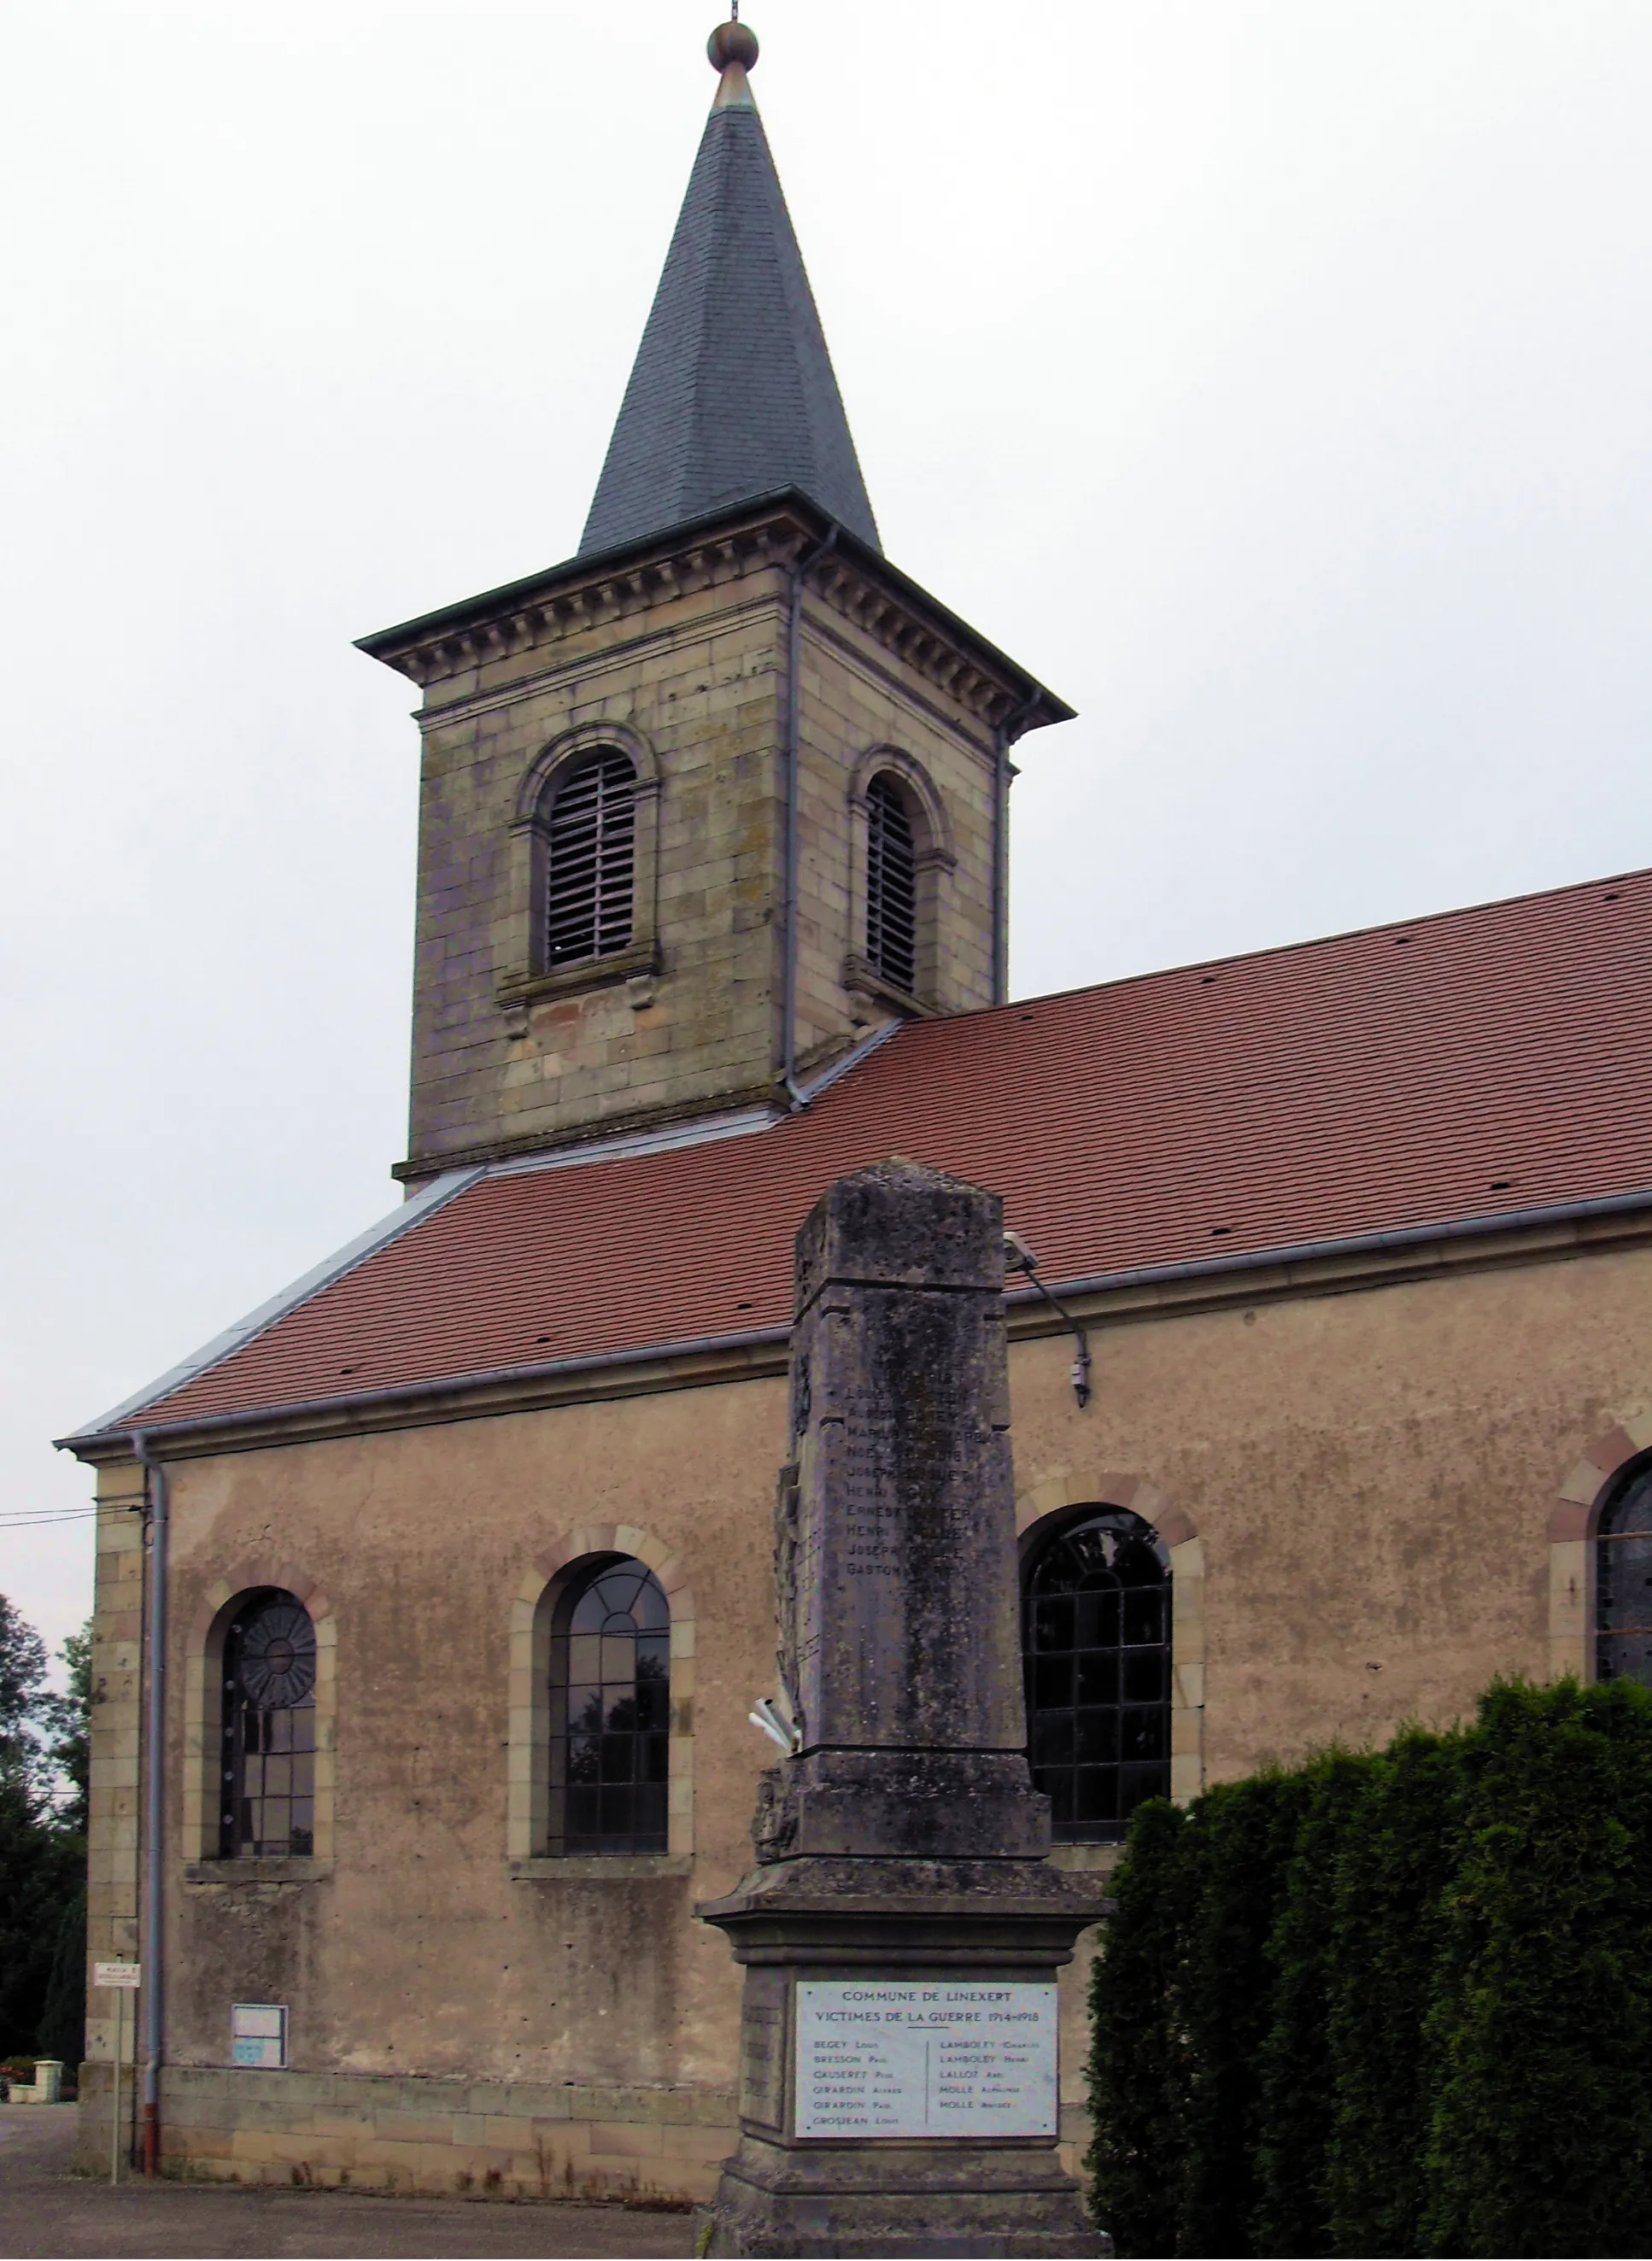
x,y
1135,2057
1542,2014
1391,2004
1398,1850
1238,1839
1295,2075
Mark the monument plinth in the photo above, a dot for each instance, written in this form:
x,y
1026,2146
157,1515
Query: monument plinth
x,y
901,1930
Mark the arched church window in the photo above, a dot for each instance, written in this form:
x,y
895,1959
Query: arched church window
x,y
1096,1646
610,1712
268,1803
1623,1579
591,859
892,885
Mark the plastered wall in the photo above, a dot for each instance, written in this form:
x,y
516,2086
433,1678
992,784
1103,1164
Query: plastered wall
x,y
1369,1478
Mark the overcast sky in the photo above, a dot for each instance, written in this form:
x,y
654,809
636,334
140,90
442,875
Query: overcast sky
x,y
1272,380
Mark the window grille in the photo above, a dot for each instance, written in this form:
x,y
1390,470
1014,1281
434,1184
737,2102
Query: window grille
x,y
1096,1646
591,857
268,1802
892,886
610,1714
1623,1582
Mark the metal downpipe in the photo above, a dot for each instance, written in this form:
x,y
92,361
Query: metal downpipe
x,y
1003,737
155,1803
794,1098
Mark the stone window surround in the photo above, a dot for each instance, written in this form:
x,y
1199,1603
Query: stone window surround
x,y
203,1704
1041,1512
1572,1525
527,1742
524,977
935,855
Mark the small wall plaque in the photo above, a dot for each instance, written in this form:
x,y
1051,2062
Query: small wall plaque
x,y
258,2034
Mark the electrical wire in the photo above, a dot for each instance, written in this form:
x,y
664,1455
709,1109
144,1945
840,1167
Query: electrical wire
x,y
32,1518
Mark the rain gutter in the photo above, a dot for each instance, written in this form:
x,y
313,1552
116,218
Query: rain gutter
x,y
1003,737
403,1393
1363,1244
789,868
757,1338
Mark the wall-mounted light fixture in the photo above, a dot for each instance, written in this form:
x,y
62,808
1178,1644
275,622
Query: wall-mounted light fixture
x,y
1019,1258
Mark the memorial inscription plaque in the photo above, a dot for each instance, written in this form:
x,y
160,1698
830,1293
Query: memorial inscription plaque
x,y
945,2060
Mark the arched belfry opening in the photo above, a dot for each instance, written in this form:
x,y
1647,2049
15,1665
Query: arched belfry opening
x,y
891,884
590,836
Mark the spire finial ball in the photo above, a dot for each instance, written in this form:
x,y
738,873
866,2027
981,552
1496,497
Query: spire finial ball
x,y
732,43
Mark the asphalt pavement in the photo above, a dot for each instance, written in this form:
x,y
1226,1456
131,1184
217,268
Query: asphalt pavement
x,y
45,2210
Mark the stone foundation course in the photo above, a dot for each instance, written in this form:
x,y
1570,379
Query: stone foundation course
x,y
486,2139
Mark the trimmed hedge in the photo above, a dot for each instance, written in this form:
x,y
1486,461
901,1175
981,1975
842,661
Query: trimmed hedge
x,y
1391,2003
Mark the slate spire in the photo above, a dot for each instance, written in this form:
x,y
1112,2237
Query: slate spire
x,y
732,393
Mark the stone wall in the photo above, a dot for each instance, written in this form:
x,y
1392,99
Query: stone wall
x,y
692,681
865,709
496,2139
117,1688
501,2139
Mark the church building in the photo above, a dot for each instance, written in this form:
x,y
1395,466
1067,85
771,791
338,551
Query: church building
x,y
434,1597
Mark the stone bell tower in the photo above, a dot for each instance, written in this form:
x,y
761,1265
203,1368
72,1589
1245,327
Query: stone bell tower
x,y
708,804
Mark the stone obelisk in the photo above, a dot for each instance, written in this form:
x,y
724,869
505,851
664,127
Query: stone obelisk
x,y
901,1929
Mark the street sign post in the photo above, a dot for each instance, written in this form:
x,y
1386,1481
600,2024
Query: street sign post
x,y
122,1978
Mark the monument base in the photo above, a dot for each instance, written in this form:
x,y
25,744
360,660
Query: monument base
x,y
972,2200
908,1997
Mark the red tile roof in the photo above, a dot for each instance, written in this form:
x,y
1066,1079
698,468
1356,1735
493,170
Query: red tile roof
x,y
1482,1061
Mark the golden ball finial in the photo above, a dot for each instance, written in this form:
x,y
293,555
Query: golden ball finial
x,y
733,42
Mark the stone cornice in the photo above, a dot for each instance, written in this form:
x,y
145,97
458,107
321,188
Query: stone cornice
x,y
572,599
420,1167
1174,1291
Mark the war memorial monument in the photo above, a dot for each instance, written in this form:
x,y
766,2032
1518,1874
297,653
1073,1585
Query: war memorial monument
x,y
901,1929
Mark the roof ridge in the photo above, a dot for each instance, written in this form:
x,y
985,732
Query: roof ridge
x,y
1309,942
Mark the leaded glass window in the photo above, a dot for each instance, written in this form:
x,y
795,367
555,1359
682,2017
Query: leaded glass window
x,y
268,1801
1096,1644
610,1713
1623,1581
591,859
892,886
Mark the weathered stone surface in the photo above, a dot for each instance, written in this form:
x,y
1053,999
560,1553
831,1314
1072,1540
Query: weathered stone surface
x,y
899,1648
901,1843
689,674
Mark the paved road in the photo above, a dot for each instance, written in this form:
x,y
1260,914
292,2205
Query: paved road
x,y
45,2210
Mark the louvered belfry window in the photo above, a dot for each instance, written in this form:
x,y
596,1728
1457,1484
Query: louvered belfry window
x,y
892,886
591,859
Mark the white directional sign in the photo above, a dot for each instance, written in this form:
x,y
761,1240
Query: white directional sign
x,y
932,2059
128,1975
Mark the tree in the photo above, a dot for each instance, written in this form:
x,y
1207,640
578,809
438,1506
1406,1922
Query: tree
x,y
22,1683
44,1766
62,2033
66,1722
